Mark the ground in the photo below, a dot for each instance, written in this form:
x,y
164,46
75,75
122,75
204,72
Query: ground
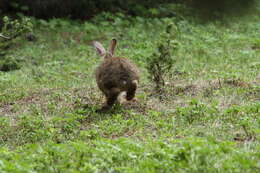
x,y
207,122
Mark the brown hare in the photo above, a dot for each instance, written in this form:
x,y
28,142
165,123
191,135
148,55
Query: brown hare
x,y
115,75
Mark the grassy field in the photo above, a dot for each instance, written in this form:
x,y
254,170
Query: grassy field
x,y
208,121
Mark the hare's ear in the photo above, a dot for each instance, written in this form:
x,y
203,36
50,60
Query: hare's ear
x,y
99,48
112,46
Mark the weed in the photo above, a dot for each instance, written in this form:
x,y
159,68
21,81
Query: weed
x,y
10,31
9,63
161,62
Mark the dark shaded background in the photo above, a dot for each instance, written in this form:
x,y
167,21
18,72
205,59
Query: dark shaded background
x,y
85,9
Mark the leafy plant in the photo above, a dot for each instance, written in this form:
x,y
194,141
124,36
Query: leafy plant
x,y
9,63
160,64
11,30
196,112
14,28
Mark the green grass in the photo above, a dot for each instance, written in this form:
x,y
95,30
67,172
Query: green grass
x,y
208,121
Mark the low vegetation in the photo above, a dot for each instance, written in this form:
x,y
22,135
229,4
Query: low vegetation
x,y
207,120
9,33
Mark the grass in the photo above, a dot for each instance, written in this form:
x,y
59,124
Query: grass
x,y
207,122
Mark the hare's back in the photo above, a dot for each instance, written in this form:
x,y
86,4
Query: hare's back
x,y
117,71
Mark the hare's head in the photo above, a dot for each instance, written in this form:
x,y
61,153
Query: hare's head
x,y
102,51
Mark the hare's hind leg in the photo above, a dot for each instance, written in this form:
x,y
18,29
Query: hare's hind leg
x,y
111,97
130,94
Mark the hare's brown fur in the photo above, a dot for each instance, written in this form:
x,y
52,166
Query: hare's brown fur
x,y
115,75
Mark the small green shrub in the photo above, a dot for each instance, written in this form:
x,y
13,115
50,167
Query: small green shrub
x,y
9,63
160,64
11,30
17,27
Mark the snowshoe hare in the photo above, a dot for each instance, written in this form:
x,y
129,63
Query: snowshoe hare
x,y
115,75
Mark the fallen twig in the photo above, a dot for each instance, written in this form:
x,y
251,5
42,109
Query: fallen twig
x,y
2,36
